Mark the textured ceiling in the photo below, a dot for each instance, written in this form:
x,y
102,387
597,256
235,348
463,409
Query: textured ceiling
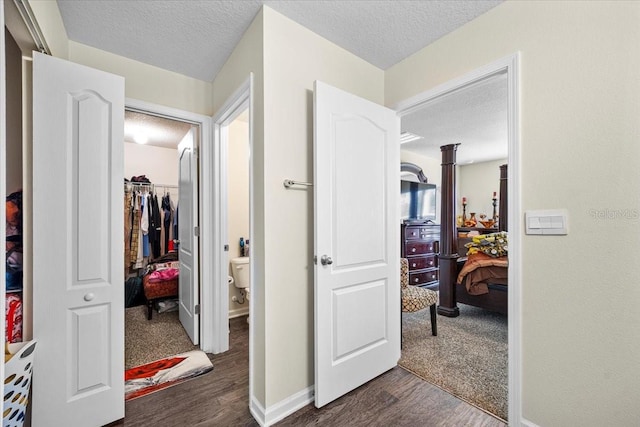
x,y
159,131
475,117
196,37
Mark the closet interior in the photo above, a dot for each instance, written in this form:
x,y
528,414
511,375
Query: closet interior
x,y
151,238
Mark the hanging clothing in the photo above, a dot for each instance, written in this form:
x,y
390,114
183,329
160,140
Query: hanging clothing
x,y
144,225
166,209
135,229
155,226
175,225
127,232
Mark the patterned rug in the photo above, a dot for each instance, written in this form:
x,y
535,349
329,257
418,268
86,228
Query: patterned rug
x,y
468,358
144,379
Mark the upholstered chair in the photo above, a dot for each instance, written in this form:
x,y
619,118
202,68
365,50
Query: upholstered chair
x,y
415,298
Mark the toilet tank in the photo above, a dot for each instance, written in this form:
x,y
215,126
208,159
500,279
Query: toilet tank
x,y
240,271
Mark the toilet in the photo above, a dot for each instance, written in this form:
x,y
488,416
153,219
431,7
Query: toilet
x,y
240,271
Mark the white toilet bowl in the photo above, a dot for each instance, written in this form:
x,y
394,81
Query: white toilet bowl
x,y
241,278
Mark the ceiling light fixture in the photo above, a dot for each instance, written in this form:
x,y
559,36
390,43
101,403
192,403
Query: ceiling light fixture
x,y
140,138
408,137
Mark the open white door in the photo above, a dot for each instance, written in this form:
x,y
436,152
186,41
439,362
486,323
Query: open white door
x,y
78,249
188,242
357,242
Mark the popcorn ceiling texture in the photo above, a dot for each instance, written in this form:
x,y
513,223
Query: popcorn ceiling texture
x,y
195,38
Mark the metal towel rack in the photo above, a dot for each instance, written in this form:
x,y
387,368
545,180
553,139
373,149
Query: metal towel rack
x,y
288,183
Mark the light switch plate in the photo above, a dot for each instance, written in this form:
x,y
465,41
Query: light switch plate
x,y
551,222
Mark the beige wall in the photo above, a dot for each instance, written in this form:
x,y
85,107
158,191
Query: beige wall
x,y
159,164
580,111
148,83
247,58
294,58
50,22
477,182
142,81
237,202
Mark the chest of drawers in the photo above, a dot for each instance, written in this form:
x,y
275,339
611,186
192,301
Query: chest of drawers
x,y
419,245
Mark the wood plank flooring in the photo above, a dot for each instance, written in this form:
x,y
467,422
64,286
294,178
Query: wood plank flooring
x,y
220,398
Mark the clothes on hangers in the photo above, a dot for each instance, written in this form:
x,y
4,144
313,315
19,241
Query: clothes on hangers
x,y
166,209
155,226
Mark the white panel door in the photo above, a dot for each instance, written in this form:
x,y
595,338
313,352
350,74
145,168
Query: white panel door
x,y
78,250
357,242
188,247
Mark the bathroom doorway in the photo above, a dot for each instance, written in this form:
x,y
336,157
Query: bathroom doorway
x,y
238,209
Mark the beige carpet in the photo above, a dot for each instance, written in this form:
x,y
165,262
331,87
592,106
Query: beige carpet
x,y
468,358
149,340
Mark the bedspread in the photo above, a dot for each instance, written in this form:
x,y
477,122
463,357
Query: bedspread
x,y
481,269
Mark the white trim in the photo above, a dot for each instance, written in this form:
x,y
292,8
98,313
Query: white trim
x,y
207,333
238,102
282,409
238,312
526,423
510,65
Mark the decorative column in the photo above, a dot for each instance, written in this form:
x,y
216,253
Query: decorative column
x,y
503,204
448,255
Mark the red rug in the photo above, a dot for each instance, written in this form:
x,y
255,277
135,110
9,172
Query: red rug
x,y
144,379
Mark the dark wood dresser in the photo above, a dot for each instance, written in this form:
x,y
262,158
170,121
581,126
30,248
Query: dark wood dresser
x,y
419,244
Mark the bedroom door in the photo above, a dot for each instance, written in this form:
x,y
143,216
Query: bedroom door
x,y
78,292
189,295
357,242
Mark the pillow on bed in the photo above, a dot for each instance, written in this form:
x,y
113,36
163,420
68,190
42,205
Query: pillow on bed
x,y
494,244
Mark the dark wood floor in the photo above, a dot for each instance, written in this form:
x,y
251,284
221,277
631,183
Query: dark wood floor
x,y
220,398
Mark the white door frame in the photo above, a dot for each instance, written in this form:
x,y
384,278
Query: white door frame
x,y
238,102
510,66
207,283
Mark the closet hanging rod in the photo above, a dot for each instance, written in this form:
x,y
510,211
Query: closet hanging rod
x,y
151,184
288,183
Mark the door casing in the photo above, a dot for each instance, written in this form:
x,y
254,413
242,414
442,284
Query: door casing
x,y
208,335
509,65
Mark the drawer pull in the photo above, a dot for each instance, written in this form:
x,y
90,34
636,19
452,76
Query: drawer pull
x,y
414,265
413,249
416,280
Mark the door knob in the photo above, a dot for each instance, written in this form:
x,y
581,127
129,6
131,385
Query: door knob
x,y
326,260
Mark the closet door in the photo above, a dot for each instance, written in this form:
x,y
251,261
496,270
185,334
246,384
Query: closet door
x,y
78,282
188,247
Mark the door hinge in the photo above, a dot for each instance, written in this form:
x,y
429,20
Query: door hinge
x,y
197,309
226,248
196,231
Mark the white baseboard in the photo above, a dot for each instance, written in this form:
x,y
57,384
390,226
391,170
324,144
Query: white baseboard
x,y
238,312
526,423
282,409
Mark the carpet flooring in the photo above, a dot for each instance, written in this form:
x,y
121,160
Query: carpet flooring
x,y
149,340
468,358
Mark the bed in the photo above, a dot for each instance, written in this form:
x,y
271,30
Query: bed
x,y
481,282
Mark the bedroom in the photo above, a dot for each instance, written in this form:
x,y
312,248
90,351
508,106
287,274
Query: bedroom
x,y
475,117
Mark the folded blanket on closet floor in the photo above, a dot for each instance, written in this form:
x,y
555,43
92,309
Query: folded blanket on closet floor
x,y
164,275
